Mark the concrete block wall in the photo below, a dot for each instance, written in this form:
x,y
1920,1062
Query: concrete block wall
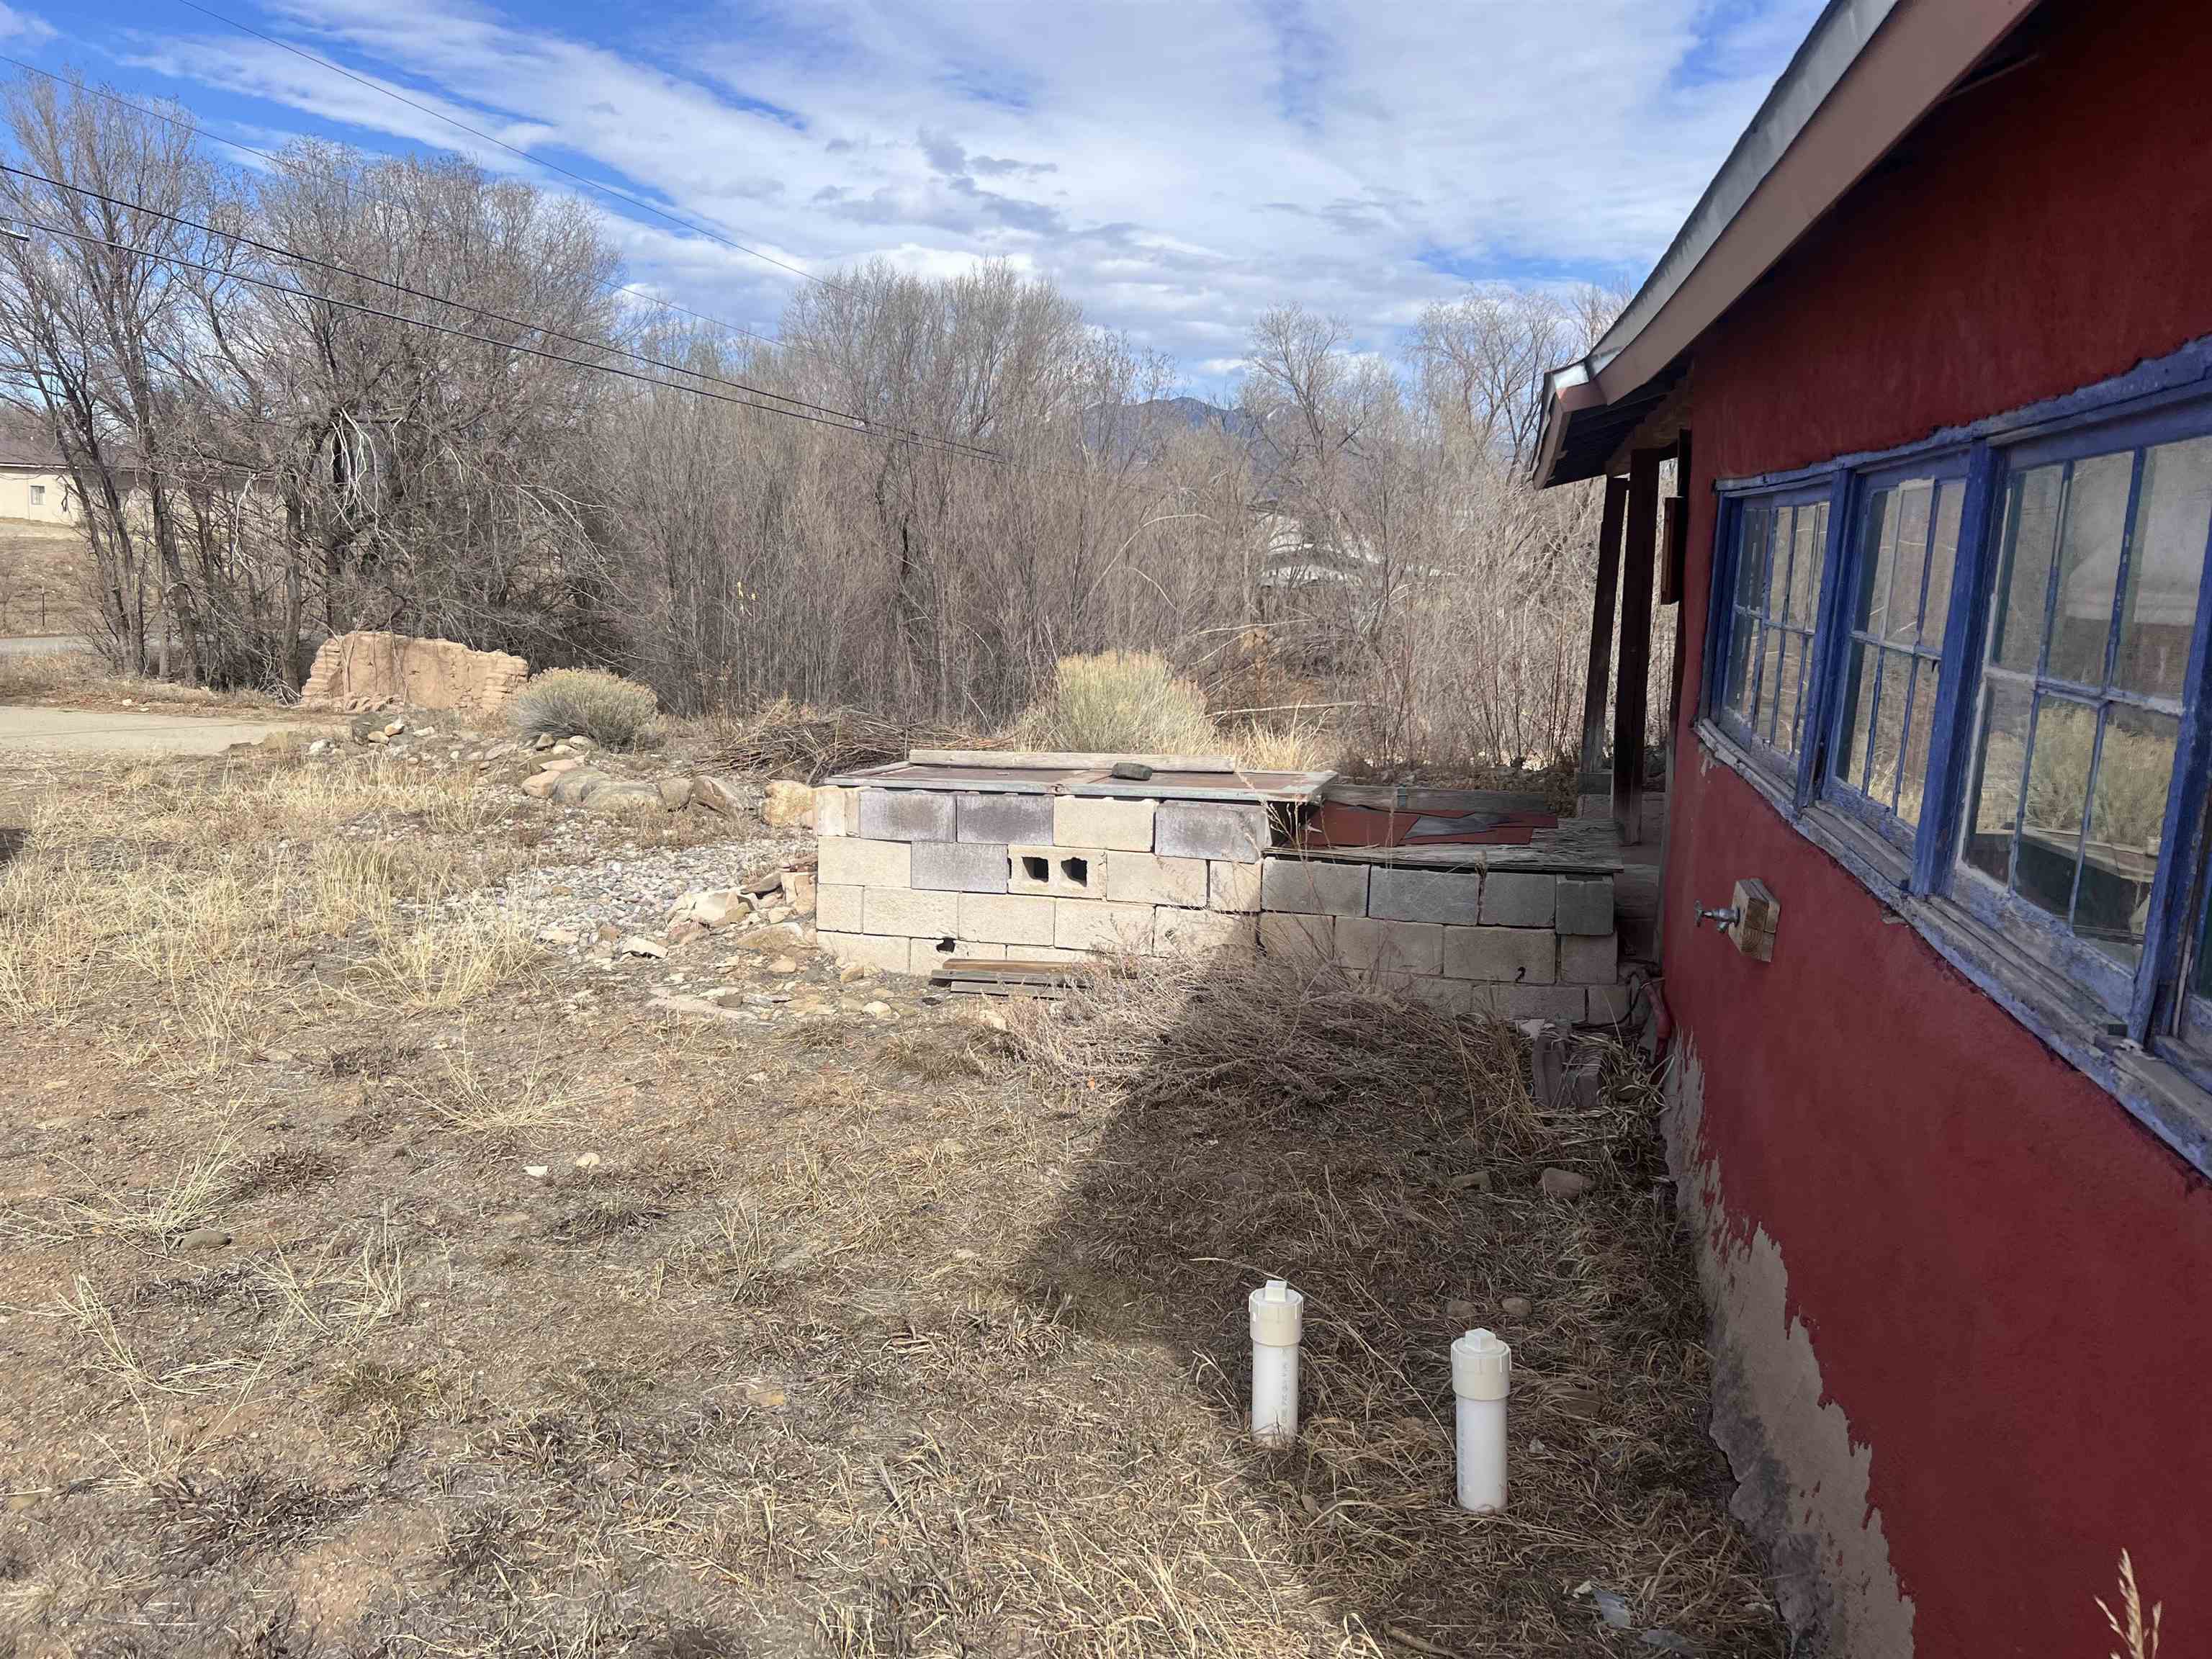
x,y
910,877
1520,944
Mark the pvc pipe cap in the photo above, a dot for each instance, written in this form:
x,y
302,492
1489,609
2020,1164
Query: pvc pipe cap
x,y
1482,1366
1277,1313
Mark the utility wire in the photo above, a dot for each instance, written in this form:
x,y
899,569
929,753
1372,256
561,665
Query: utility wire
x,y
237,238
842,424
581,178
200,130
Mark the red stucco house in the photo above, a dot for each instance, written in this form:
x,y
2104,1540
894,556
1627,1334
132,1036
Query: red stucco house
x,y
1933,355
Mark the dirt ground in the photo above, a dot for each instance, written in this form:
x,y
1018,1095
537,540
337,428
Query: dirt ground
x,y
375,1280
41,577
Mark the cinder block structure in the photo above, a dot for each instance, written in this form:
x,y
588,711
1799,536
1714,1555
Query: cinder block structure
x,y
1051,858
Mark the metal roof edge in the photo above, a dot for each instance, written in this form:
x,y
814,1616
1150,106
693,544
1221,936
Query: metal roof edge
x,y
1837,44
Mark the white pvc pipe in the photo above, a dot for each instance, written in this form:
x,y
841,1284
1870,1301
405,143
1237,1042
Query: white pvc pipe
x,y
1482,1375
1278,1312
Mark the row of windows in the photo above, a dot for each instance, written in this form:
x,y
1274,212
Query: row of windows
x,y
1993,657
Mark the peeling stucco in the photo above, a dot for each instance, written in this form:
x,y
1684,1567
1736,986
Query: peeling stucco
x,y
1803,1482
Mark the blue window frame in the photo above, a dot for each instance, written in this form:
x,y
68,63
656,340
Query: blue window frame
x,y
1778,556
1993,651
1903,556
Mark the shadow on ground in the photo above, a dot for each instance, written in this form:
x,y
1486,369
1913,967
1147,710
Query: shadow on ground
x,y
1383,1157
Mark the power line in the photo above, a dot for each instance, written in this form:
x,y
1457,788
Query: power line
x,y
237,238
200,130
607,190
840,425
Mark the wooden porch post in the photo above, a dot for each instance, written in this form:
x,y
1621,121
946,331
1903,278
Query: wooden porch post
x,y
1632,695
1600,638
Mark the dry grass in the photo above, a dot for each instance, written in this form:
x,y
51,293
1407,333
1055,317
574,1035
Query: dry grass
x,y
612,712
548,1331
1383,1157
2136,1632
199,890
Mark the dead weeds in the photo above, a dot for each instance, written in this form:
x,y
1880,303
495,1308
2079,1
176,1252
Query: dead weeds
x,y
841,1335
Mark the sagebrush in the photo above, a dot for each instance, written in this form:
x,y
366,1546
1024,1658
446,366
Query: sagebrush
x,y
1121,702
560,702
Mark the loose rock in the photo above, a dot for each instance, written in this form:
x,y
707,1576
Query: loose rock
x,y
1563,1183
638,945
787,804
1517,1307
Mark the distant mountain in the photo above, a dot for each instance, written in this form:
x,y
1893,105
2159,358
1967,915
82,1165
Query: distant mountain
x,y
1141,425
1195,412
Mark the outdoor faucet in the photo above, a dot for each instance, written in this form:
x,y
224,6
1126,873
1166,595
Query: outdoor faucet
x,y
1722,918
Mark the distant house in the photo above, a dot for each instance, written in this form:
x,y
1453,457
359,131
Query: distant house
x,y
1933,355
33,485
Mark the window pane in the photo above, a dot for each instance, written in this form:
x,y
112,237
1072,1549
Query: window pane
x,y
2127,820
2089,566
1785,692
1936,611
2166,565
1877,561
1996,800
2064,737
1805,568
1770,676
1909,564
1889,738
1913,781
1739,666
1751,560
1859,711
2031,523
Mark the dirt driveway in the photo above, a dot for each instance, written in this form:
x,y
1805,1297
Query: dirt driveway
x,y
26,729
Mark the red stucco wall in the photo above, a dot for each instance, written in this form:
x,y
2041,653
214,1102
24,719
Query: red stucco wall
x,y
2006,1280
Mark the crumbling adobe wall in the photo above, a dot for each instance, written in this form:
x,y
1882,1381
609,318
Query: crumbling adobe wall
x,y
355,672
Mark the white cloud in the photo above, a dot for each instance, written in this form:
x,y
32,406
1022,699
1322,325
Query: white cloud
x,y
1177,167
23,27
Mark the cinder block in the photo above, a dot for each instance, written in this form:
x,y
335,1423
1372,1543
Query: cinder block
x,y
1063,872
1308,887
836,812
1403,947
1148,879
1231,831
1563,1004
837,909
1608,1004
1009,920
1511,956
1098,820
1453,995
906,815
1447,896
1586,961
1094,925
847,861
1584,905
1283,933
1202,931
926,956
889,956
1515,898
1232,886
992,817
955,866
917,915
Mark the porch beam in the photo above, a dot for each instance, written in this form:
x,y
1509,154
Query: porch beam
x,y
1600,634
1632,696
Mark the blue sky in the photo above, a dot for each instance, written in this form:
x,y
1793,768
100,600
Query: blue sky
x,y
1176,166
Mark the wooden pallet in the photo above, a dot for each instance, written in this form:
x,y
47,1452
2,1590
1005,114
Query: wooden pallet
x,y
973,977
